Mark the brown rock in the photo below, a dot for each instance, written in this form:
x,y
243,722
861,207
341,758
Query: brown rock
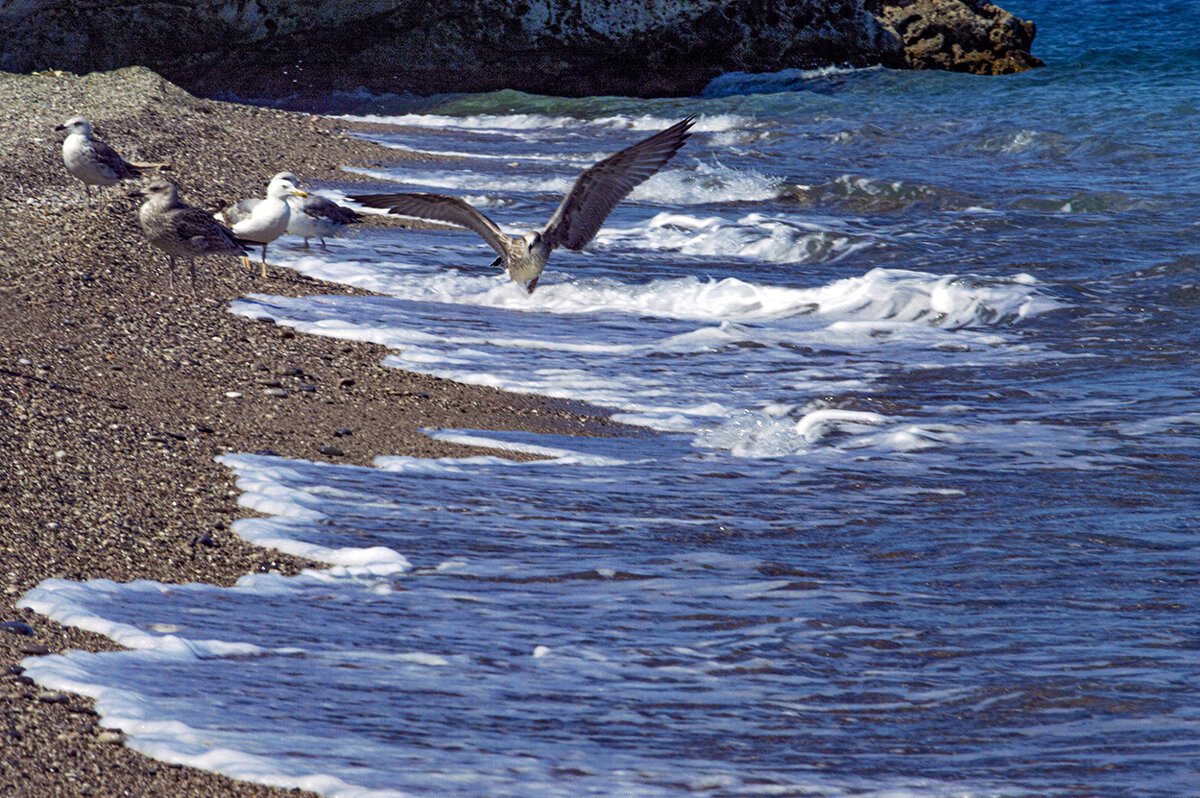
x,y
961,36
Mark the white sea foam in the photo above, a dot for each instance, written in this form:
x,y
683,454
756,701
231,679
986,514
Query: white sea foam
x,y
881,297
707,183
776,432
65,602
701,184
554,455
268,486
131,711
918,311
477,182
735,83
775,239
508,124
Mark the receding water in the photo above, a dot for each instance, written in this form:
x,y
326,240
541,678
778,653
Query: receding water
x,y
917,509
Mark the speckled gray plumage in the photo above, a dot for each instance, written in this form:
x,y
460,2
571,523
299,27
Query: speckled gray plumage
x,y
181,230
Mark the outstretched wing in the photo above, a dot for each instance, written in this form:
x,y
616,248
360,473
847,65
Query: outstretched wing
x,y
112,160
319,207
441,208
598,190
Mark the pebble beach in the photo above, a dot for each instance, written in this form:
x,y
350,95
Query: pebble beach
x,y
905,503
118,389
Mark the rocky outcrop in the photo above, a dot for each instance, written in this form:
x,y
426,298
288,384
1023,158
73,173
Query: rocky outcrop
x,y
277,48
960,36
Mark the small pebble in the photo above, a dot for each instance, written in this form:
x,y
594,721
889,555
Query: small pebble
x,y
110,736
233,394
346,382
17,628
53,697
307,388
343,432
279,392
35,650
332,451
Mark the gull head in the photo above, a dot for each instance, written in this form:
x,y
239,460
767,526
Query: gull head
x,y
283,188
77,125
160,191
533,242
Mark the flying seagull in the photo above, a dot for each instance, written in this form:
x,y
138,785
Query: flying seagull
x,y
181,230
585,207
316,216
91,160
261,221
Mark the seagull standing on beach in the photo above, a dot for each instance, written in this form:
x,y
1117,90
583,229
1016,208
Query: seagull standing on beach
x,y
595,193
91,160
183,231
261,221
316,216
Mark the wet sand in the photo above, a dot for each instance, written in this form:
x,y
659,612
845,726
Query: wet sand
x,y
114,383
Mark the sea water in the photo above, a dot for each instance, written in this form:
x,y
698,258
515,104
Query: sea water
x,y
914,507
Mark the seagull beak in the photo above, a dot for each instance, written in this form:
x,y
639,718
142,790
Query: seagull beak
x,y
135,194
61,127
299,193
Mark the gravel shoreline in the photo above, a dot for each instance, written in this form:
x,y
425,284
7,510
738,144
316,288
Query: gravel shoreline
x,y
113,391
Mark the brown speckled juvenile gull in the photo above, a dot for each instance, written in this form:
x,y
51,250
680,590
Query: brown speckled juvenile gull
x,y
595,193
181,230
91,160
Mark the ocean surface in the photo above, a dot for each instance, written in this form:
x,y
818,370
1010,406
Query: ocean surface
x,y
919,514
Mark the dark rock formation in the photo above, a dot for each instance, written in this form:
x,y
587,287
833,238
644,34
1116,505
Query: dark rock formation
x,y
277,48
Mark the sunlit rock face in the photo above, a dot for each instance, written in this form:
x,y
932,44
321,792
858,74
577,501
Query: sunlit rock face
x,y
281,48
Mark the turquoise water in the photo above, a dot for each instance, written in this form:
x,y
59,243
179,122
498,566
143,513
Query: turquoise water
x,y
917,512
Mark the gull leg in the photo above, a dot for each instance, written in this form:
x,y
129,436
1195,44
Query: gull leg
x,y
192,272
306,243
323,244
170,271
532,284
264,261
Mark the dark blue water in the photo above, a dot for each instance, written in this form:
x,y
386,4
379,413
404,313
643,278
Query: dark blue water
x,y
921,517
